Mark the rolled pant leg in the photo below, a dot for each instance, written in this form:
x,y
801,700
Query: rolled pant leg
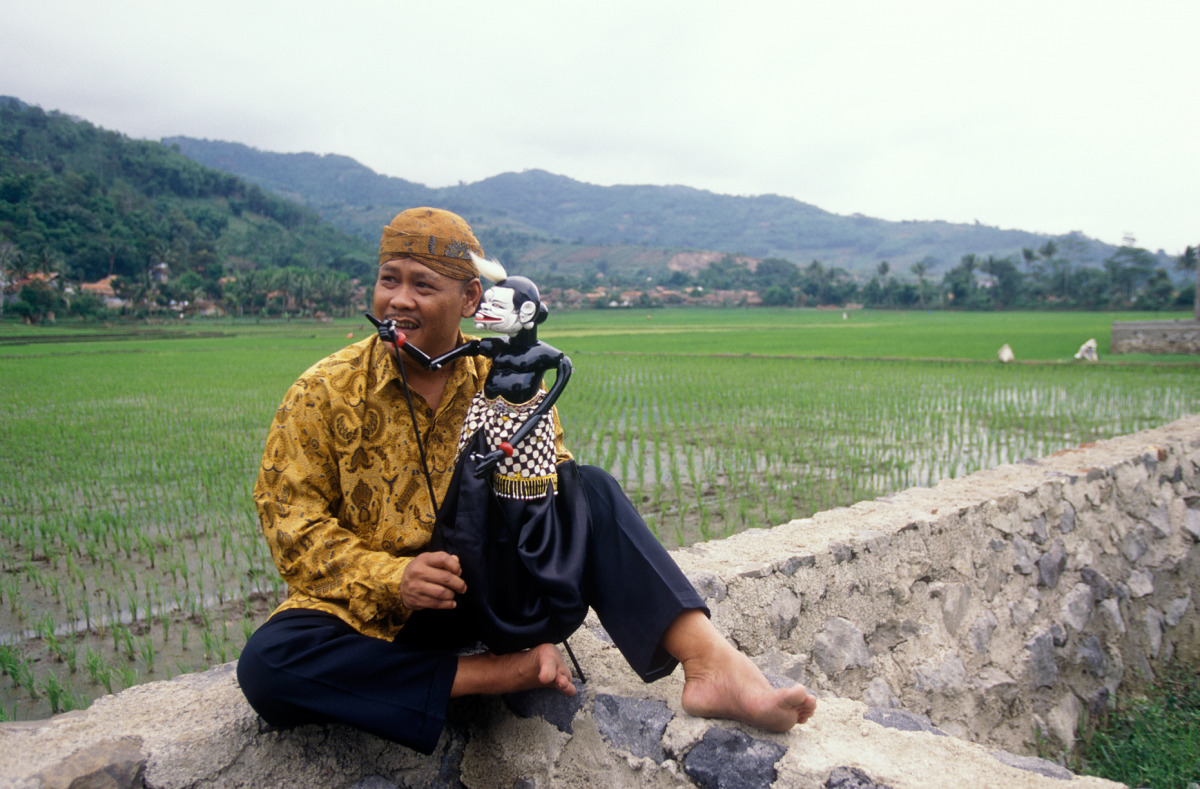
x,y
633,584
311,667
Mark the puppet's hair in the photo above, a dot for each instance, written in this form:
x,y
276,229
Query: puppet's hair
x,y
489,269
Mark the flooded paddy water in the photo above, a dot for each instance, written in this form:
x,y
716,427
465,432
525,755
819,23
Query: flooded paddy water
x,y
129,548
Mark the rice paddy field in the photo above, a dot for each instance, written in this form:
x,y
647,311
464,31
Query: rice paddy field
x,y
129,547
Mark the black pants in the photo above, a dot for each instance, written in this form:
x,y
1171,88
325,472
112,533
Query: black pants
x,y
310,667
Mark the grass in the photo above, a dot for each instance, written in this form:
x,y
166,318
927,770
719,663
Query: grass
x,y
1149,740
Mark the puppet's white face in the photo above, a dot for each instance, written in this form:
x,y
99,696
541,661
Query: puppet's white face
x,y
497,313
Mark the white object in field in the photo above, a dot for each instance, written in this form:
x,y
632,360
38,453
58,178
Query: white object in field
x,y
1087,351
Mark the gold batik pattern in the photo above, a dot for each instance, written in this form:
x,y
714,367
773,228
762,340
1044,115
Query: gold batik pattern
x,y
341,496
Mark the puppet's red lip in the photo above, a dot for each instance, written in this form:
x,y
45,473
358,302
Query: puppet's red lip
x,y
486,319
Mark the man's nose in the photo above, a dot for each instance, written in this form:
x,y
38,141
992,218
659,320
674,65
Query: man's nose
x,y
402,296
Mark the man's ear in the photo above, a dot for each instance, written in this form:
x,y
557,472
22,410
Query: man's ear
x,y
526,313
472,294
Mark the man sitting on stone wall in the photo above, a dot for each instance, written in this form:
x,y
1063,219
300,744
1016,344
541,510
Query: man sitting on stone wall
x,y
344,505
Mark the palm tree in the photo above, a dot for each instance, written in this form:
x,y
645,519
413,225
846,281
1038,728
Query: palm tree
x,y
10,255
1187,262
921,268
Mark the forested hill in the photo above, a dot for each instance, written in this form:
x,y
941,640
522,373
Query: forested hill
x,y
534,214
88,203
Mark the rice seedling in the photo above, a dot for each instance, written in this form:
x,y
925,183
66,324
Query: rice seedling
x,y
729,423
98,669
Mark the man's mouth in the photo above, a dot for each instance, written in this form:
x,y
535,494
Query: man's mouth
x,y
407,324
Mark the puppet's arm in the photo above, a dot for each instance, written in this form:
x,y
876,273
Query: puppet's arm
x,y
491,459
390,334
468,348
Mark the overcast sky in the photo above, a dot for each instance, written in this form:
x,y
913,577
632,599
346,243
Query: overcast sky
x,y
1049,116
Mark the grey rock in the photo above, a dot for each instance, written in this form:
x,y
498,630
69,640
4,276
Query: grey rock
x,y
1191,523
891,633
709,586
449,772
851,778
947,678
635,725
1038,525
1102,588
1134,545
727,759
839,646
1066,521
792,564
785,612
1113,609
841,552
996,684
1025,556
1043,666
1058,634
1077,606
1090,654
1051,564
956,598
1176,609
1160,522
1154,629
878,694
902,720
1141,583
548,704
374,782
1021,611
117,763
980,634
1034,765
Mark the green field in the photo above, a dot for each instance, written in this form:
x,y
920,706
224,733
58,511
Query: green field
x,y
128,541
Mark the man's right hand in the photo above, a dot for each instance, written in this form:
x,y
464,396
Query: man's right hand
x,y
432,580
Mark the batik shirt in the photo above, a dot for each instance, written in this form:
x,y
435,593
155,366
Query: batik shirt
x,y
341,497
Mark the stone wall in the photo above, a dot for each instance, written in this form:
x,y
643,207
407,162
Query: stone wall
x,y
1156,337
994,608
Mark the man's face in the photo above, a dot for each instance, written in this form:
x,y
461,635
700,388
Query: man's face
x,y
427,306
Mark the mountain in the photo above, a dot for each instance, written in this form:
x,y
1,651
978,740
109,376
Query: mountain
x,y
90,203
538,220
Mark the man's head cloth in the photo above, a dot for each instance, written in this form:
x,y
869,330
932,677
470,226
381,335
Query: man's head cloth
x,y
441,240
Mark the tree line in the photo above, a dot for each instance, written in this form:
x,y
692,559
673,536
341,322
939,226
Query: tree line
x,y
1043,278
79,204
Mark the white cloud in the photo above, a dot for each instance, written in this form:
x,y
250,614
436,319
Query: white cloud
x,y
1049,117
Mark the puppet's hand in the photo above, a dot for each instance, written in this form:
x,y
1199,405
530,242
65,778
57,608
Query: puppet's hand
x,y
488,462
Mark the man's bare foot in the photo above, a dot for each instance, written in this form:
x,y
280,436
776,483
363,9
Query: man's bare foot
x,y
721,682
540,667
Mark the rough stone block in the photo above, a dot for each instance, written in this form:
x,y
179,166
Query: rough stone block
x,y
902,720
1141,583
839,646
1051,564
632,724
1077,606
548,704
785,613
1042,663
726,758
118,763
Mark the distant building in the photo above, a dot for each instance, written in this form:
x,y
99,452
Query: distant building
x,y
104,289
